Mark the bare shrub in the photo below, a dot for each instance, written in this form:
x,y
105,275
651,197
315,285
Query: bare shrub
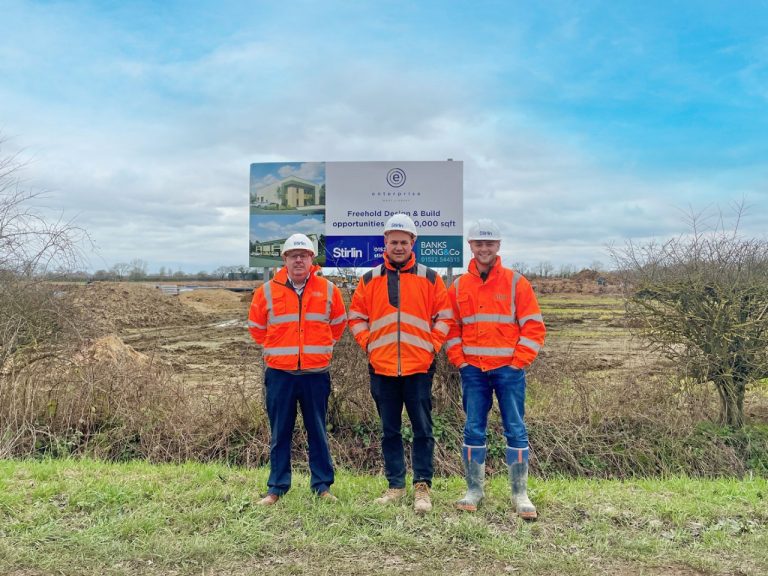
x,y
105,399
109,401
702,300
31,318
350,403
30,245
645,423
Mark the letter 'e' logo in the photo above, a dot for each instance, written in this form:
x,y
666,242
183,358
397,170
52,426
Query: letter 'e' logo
x,y
396,177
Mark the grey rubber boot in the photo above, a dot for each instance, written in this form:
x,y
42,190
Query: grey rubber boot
x,y
517,459
474,472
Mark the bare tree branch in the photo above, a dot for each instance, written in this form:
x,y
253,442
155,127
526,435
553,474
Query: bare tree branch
x,y
30,246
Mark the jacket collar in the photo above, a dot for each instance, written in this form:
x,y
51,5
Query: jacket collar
x,y
495,269
282,275
405,267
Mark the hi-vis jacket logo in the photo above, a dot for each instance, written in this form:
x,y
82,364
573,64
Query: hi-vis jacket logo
x,y
501,296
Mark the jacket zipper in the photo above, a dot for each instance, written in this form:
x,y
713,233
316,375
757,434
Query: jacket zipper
x,y
301,343
399,306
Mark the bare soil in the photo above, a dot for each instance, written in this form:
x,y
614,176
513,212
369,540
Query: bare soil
x,y
200,334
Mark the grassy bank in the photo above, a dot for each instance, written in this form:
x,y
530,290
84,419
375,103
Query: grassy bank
x,y
89,517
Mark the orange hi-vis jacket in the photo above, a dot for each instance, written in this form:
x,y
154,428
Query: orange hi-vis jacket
x,y
297,332
400,317
497,322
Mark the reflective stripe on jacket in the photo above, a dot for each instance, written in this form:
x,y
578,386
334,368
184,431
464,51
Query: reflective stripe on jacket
x,y
498,322
296,338
400,317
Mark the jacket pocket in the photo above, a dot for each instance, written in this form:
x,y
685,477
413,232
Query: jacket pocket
x,y
279,305
465,306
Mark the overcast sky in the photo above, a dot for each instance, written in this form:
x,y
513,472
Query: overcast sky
x,y
579,123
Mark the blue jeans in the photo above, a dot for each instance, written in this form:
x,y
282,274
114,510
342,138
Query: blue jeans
x,y
478,388
390,394
283,392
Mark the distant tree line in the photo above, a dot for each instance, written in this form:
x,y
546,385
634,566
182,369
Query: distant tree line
x,y
545,269
136,271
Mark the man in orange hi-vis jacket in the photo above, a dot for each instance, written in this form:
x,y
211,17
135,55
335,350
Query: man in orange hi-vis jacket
x,y
497,333
400,316
297,317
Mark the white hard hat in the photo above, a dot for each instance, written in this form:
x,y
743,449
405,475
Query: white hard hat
x,y
298,242
484,229
401,222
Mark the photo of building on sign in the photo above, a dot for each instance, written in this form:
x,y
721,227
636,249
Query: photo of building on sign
x,y
285,198
284,188
271,248
269,231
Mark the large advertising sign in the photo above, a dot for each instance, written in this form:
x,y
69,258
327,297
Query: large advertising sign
x,y
343,206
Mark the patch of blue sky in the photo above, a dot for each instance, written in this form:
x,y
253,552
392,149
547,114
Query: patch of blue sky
x,y
671,86
268,172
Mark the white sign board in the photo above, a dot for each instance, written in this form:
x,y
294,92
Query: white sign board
x,y
343,207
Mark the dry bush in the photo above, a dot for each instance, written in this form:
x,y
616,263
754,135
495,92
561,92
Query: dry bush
x,y
350,403
71,395
584,423
30,315
701,299
107,400
568,387
31,245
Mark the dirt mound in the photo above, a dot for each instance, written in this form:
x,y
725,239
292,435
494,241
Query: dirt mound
x,y
586,275
110,350
214,301
108,307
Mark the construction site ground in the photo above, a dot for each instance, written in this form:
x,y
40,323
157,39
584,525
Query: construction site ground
x,y
202,334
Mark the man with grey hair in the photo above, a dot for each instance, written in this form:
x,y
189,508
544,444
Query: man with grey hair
x,y
297,317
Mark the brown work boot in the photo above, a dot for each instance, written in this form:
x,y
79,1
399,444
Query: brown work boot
x,y
421,501
268,500
391,496
327,496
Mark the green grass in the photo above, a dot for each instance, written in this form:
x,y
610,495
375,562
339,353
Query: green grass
x,y
573,310
88,517
600,334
